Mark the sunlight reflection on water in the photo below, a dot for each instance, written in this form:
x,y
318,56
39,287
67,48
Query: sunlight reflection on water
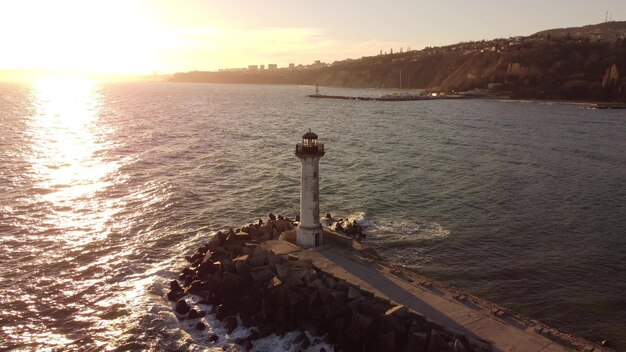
x,y
65,134
66,140
104,189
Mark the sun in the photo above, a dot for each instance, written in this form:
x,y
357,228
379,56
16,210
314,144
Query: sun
x,y
96,37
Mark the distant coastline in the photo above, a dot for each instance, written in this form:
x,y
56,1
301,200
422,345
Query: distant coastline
x,y
570,64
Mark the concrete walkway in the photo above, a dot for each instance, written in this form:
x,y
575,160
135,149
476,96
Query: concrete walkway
x,y
503,333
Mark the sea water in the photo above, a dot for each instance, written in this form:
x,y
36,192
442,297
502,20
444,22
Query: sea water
x,y
104,188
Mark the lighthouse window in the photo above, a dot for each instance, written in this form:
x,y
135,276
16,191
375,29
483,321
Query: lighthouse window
x,y
315,197
314,174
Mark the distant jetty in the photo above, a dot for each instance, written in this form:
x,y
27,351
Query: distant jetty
x,y
390,97
605,106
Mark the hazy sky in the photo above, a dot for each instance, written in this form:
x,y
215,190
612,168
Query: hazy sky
x,y
137,37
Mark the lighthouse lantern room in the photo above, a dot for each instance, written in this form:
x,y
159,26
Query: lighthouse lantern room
x,y
309,233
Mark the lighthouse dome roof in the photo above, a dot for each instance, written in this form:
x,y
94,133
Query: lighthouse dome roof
x,y
309,135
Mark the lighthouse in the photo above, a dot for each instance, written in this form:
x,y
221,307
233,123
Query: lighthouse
x,y
309,233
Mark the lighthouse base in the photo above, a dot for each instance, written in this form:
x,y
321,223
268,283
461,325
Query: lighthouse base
x,y
309,236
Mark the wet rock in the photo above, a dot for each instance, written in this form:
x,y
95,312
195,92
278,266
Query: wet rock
x,y
200,326
293,280
132,346
342,285
272,216
222,311
230,324
215,243
205,268
353,293
339,297
187,271
336,309
175,286
274,282
374,307
198,287
261,275
393,318
230,283
193,314
268,329
246,341
217,268
282,272
213,338
302,340
316,284
355,305
240,237
175,295
436,343
314,300
295,297
310,276
361,321
273,259
387,342
241,258
418,341
329,282
229,266
301,264
188,280
213,283
257,260
354,337
281,315
459,346
182,307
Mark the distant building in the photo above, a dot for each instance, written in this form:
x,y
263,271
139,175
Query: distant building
x,y
292,65
317,64
262,67
272,66
253,68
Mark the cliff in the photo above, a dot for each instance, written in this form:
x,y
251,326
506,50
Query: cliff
x,y
586,63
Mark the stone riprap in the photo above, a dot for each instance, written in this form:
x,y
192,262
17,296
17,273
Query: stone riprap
x,y
279,287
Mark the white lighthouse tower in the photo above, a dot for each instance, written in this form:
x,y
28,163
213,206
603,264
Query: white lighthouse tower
x,y
310,230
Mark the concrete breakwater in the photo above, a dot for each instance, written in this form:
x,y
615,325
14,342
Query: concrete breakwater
x,y
279,293
353,300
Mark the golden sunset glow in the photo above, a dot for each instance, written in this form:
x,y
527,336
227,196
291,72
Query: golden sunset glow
x,y
116,38
80,36
141,37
